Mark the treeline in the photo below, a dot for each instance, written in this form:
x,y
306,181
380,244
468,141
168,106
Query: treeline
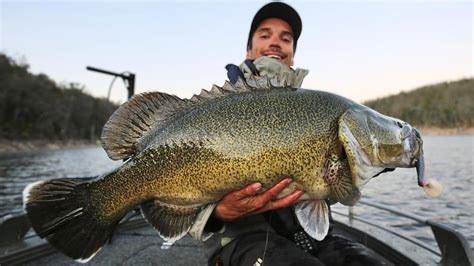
x,y
443,105
35,107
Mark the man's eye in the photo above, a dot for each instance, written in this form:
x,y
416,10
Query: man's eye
x,y
264,36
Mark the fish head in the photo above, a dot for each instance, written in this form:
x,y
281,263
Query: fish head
x,y
375,143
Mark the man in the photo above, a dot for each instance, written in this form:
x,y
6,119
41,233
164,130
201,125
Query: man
x,y
249,226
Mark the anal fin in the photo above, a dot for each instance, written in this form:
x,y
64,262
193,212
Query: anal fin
x,y
313,216
171,221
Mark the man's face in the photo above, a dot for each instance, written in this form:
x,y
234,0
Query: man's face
x,y
273,38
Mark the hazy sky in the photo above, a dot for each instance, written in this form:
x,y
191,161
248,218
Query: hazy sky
x,y
359,49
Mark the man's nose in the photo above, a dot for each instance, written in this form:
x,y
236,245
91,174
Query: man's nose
x,y
275,42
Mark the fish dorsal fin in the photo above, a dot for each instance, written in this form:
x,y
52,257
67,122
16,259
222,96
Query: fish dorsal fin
x,y
135,118
132,120
254,83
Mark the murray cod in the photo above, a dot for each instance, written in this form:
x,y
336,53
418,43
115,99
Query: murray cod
x,y
182,154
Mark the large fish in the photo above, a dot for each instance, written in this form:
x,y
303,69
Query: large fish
x,y
185,154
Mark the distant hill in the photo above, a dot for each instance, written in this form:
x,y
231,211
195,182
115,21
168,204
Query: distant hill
x,y
34,107
442,105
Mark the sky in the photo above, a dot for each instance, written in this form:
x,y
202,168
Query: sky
x,y
358,49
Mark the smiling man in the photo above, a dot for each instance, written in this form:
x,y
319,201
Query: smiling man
x,y
273,38
251,226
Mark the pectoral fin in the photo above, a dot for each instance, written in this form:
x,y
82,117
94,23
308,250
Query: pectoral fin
x,y
345,192
338,177
171,221
313,216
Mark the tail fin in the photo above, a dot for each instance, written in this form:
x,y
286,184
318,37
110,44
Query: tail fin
x,y
58,211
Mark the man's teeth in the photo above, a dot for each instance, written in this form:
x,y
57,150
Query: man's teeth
x,y
274,56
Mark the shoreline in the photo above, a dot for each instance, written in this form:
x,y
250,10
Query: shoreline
x,y
18,146
436,131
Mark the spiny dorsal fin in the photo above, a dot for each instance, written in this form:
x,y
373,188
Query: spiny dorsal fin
x,y
218,91
134,119
254,83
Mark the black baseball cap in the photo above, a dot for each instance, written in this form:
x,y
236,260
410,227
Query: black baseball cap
x,y
277,10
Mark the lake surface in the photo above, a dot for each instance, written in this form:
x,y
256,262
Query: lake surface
x,y
449,159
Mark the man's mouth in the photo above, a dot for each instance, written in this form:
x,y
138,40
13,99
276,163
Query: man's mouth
x,y
276,56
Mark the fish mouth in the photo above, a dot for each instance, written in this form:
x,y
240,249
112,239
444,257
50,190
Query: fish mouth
x,y
375,144
409,151
414,147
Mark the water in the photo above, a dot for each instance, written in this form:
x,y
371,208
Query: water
x,y
18,170
450,159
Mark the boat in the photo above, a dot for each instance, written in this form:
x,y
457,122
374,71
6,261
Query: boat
x,y
137,243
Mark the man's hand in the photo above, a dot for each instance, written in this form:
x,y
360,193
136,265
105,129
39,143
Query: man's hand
x,y
246,201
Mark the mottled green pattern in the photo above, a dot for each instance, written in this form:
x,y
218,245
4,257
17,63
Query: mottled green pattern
x,y
224,144
185,154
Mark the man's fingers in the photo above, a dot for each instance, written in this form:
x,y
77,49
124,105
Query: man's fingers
x,y
281,203
261,201
250,190
247,201
237,203
253,189
274,191
285,201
